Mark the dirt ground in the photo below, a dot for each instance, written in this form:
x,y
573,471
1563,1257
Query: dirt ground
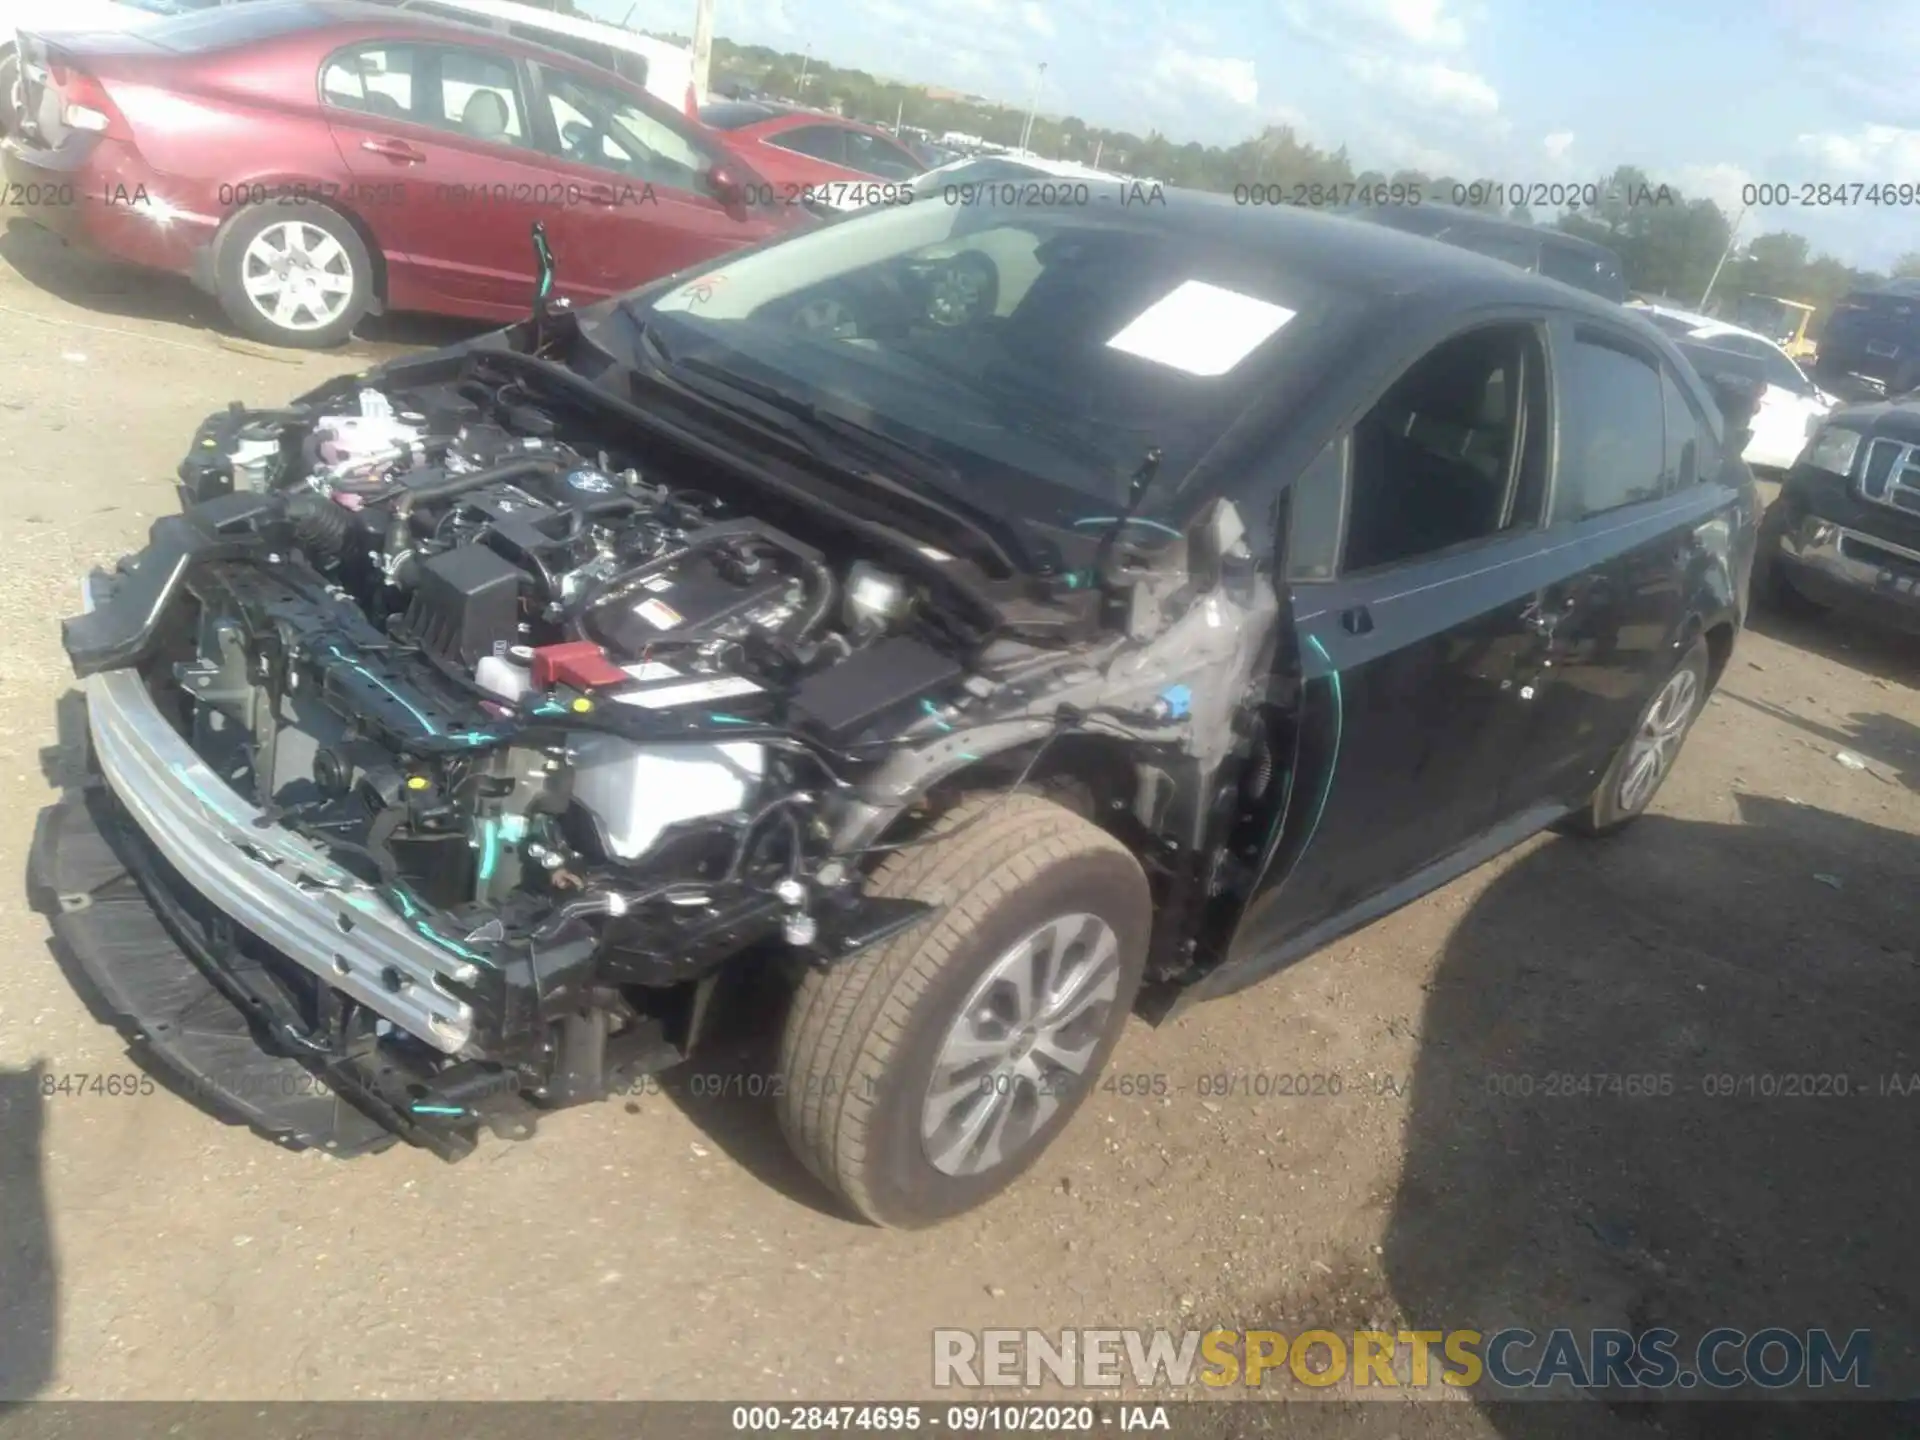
x,y
1759,923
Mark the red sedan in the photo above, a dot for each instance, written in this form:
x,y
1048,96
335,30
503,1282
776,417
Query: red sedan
x,y
802,150
307,161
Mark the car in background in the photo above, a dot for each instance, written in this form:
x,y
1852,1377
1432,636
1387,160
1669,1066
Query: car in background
x,y
1541,249
1788,406
1844,532
18,15
1785,322
806,151
307,161
664,69
1873,336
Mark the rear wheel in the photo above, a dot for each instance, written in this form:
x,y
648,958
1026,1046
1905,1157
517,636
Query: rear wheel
x,y
294,275
1642,765
12,101
923,1078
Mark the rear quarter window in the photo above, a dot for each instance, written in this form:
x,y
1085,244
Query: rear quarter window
x,y
1613,429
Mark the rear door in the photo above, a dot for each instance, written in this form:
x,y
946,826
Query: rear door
x,y
637,205
451,123
1636,496
1418,632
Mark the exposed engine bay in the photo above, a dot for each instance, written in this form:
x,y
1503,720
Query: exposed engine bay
x,y
570,706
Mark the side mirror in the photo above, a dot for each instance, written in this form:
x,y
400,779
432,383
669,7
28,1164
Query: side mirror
x,y
726,187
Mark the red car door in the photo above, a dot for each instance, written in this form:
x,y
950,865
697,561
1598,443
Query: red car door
x,y
638,205
451,124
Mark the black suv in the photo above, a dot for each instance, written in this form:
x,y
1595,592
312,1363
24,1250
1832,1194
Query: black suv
x,y
979,622
1844,532
1540,249
1873,335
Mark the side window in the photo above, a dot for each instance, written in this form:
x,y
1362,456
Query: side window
x,y
1689,446
601,127
1449,455
590,51
372,79
822,142
871,155
1613,436
479,98
1314,508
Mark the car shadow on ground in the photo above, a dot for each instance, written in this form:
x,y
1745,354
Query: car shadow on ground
x,y
29,1273
1855,641
731,1086
123,292
1759,1173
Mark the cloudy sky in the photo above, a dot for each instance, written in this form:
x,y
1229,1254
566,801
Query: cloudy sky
x,y
1709,94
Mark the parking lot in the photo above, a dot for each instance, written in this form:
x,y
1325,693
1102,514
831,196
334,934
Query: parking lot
x,y
1759,923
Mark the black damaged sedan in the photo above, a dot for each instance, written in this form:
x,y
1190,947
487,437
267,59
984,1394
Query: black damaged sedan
x,y
979,624
1844,532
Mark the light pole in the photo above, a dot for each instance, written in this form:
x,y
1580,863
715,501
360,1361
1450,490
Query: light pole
x,y
702,47
1732,236
805,60
1026,131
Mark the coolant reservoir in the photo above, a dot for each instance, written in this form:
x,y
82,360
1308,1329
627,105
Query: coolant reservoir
x,y
637,791
505,675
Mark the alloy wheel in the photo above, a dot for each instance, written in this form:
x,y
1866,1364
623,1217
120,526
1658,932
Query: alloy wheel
x,y
1025,1036
297,275
1652,752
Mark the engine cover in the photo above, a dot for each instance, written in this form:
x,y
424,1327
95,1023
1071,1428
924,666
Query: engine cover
x,y
696,597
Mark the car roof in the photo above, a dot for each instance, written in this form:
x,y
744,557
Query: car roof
x,y
1706,328
1039,164
342,22
561,23
1428,218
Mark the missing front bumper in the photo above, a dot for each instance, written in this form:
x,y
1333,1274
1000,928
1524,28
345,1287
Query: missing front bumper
x,y
268,880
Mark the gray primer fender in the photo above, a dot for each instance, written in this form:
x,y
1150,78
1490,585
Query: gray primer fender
x,y
1211,648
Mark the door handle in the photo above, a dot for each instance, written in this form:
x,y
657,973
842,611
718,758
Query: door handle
x,y
602,195
393,150
1357,621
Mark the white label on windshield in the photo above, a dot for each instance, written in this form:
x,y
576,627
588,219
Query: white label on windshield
x,y
1201,328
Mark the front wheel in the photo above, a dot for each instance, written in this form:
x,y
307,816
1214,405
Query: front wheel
x,y
1642,765
923,1078
294,275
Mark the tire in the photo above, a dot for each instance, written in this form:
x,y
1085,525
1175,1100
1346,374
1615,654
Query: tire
x,y
1769,584
10,114
1610,808
236,260
863,1040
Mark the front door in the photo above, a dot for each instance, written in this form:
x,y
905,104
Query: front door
x,y
638,208
450,124
1412,650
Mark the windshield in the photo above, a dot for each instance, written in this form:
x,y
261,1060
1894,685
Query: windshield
x,y
1767,317
1015,344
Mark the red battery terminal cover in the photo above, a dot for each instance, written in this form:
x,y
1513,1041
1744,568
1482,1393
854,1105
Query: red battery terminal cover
x,y
578,663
